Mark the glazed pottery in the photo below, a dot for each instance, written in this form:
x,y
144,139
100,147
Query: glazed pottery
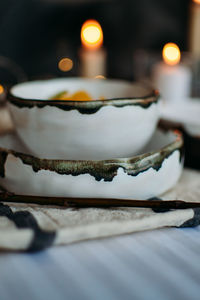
x,y
149,174
185,117
117,126
187,114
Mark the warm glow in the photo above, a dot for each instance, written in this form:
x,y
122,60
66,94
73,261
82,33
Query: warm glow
x,y
91,34
1,89
100,77
171,54
196,1
65,64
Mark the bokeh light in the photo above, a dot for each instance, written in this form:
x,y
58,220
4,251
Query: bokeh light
x,y
1,89
65,64
100,77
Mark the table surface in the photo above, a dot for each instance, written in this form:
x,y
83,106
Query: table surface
x,y
160,264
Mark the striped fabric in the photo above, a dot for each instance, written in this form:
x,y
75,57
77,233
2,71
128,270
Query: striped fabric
x,y
32,228
161,264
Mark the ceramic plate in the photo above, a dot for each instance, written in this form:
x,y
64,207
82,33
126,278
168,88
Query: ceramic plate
x,y
148,174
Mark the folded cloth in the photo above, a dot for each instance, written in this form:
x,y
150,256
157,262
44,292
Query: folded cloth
x,y
33,227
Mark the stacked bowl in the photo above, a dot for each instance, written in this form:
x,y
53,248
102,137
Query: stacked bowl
x,y
109,146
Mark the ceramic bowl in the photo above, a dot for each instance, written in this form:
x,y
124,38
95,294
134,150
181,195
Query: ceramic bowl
x,y
149,174
118,126
186,114
186,118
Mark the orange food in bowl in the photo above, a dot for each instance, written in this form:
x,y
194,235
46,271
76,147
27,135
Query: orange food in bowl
x,y
77,96
81,96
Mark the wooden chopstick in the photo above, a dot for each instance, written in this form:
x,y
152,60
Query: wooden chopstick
x,y
96,202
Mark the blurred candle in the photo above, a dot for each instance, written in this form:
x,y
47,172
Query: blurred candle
x,y
194,33
171,78
92,54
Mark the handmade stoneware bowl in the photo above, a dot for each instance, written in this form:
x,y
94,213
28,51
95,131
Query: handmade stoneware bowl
x,y
118,126
186,118
187,114
149,174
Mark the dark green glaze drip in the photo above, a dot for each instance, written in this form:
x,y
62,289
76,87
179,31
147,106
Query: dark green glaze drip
x,y
85,107
3,157
101,170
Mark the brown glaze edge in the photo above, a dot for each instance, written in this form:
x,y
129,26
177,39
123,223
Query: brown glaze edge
x,y
85,107
101,170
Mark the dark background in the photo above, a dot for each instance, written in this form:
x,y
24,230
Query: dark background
x,y
36,34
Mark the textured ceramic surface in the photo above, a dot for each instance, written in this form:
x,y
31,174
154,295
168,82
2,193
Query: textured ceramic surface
x,y
187,114
118,126
138,177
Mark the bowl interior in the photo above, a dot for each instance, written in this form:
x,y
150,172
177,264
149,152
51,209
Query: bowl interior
x,y
97,88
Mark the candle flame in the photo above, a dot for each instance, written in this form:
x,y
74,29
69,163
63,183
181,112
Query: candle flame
x,y
196,1
91,34
171,54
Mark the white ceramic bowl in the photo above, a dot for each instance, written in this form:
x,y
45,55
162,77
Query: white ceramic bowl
x,y
187,115
118,126
139,177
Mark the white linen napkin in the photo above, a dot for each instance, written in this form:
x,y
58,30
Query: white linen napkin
x,y
34,227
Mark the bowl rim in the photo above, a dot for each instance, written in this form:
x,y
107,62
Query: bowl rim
x,y
99,169
88,106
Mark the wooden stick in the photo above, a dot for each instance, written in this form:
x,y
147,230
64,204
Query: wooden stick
x,y
96,202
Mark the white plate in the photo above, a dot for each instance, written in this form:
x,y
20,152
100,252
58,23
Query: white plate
x,y
139,177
